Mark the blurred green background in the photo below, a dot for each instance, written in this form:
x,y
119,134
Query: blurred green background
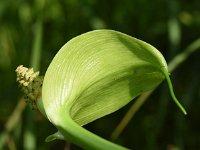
x,y
31,33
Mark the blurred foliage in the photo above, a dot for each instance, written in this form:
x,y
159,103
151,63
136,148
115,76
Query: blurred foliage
x,y
31,33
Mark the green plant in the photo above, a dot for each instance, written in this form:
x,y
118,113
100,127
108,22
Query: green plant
x,y
93,75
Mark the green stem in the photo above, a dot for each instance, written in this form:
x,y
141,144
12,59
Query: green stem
x,y
82,137
172,93
37,45
126,119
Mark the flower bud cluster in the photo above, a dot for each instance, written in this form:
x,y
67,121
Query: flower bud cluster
x,y
30,83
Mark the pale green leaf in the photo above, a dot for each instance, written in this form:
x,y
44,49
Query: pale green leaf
x,y
99,72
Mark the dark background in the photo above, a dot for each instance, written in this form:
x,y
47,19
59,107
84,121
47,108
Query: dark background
x,y
32,32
